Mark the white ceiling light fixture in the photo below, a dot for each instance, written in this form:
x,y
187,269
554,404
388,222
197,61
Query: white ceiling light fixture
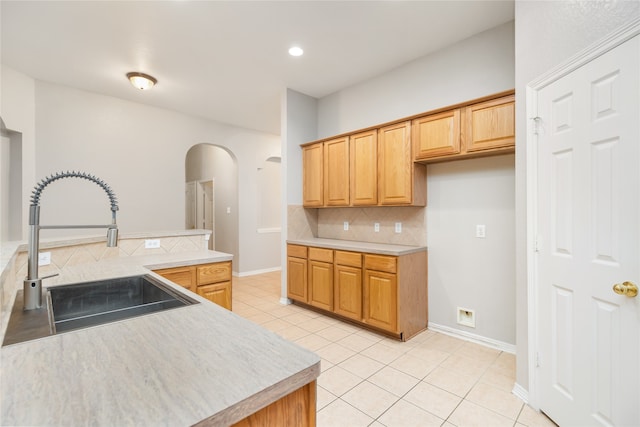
x,y
296,51
142,81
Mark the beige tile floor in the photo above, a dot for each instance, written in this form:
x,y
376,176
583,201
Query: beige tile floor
x,y
370,380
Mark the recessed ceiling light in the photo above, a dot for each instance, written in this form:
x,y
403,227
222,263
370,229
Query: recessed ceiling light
x,y
296,51
141,81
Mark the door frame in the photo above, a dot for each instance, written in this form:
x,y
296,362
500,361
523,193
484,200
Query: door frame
x,y
590,53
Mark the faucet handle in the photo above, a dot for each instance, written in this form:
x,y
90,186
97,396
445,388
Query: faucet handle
x,y
49,276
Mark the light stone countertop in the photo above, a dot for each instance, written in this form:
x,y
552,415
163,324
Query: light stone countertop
x,y
198,363
348,245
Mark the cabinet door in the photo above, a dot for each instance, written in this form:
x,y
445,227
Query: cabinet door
x,y
336,172
312,168
395,164
321,285
183,276
297,279
436,135
219,293
348,292
364,168
381,300
490,124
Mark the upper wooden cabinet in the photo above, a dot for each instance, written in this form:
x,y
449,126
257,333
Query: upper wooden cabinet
x,y
312,175
336,172
480,129
398,175
437,134
490,124
364,168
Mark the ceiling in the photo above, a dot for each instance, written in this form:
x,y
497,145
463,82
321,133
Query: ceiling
x,y
227,60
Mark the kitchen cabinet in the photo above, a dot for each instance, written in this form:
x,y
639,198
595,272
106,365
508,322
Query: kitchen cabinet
x,y
479,129
336,172
348,285
183,276
211,281
369,168
437,134
490,125
297,272
383,292
401,181
363,158
320,264
312,175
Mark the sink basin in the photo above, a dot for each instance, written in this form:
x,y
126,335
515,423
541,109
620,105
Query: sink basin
x,y
81,305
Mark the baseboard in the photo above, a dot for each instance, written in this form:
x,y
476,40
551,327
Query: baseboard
x,y
520,392
254,272
478,339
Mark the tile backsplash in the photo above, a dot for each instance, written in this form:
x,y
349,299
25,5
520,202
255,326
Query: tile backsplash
x,y
329,223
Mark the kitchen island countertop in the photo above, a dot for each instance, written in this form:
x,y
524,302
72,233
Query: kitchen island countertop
x,y
184,366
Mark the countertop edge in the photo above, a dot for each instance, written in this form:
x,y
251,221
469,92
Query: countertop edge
x,y
350,245
253,404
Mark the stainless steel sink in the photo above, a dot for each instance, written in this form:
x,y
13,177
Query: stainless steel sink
x,y
81,305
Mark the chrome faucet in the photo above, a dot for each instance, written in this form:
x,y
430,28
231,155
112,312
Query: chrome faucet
x,y
32,285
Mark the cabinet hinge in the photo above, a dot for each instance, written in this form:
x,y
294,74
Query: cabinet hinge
x,y
536,125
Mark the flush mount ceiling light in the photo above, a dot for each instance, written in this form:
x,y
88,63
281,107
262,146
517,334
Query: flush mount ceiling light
x,y
141,81
296,51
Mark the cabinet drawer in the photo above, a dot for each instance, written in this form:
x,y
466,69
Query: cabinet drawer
x,y
380,263
183,276
213,273
352,259
320,254
297,251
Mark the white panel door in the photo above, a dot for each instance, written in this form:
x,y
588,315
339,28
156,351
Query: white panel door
x,y
588,226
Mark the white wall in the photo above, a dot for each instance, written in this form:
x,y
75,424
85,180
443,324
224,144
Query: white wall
x,y
465,271
547,33
475,67
140,152
17,109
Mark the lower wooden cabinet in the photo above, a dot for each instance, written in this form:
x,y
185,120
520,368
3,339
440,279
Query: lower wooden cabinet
x,y
220,293
321,284
381,300
387,293
211,281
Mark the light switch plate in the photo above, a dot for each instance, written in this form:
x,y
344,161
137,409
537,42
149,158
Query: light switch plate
x,y
481,231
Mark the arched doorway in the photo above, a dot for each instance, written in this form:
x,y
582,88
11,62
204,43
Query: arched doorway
x,y
211,195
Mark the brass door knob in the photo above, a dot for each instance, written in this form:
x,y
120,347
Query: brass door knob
x,y
627,288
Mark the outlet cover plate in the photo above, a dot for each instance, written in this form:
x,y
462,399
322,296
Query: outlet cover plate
x,y
152,243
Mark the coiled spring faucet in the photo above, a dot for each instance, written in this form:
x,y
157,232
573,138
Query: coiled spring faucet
x,y
32,285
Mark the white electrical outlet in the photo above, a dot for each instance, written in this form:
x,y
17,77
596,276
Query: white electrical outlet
x,y
376,227
346,226
228,210
151,243
44,258
481,231
466,317
398,227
